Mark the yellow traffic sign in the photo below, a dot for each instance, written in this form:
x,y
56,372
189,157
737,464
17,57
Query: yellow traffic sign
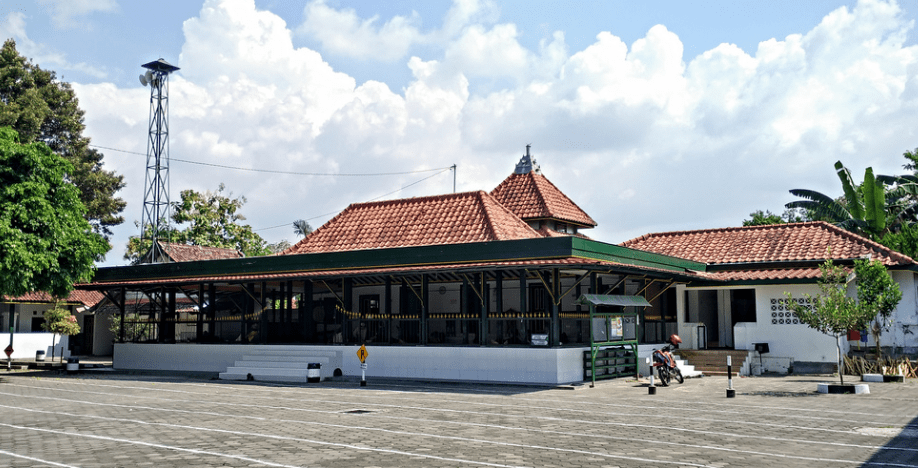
x,y
362,354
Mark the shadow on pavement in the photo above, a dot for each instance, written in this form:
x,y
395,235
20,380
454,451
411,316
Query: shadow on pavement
x,y
900,451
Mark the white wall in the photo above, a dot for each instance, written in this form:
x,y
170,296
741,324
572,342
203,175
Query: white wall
x,y
547,366
26,344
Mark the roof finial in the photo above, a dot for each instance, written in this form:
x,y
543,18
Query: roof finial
x,y
527,164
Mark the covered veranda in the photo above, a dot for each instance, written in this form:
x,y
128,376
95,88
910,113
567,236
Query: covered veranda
x,y
478,304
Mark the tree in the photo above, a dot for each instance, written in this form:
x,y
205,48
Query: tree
x,y
877,294
301,228
861,210
42,109
59,321
833,313
766,218
46,243
904,240
212,220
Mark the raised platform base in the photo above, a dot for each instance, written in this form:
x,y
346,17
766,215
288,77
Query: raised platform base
x,y
842,389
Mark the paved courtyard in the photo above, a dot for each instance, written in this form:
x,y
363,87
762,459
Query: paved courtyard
x,y
115,420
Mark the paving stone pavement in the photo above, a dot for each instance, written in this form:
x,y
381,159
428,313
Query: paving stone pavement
x,y
115,420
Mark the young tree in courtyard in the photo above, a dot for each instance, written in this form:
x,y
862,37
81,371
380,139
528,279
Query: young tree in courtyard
x,y
46,243
59,321
833,312
878,295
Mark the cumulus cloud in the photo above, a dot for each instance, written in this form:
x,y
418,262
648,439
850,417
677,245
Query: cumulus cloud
x,y
67,14
640,138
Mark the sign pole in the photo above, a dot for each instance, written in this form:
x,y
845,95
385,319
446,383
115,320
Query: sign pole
x,y
362,355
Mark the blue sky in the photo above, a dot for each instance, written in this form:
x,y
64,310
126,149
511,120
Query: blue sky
x,y
651,116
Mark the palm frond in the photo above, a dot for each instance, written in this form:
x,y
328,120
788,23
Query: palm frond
x,y
821,205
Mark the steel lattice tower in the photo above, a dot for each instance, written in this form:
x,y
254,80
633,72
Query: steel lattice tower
x,y
156,206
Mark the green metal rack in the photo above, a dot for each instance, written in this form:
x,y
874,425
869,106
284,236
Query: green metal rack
x,y
612,352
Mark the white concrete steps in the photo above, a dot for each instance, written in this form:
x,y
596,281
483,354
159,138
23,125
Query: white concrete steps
x,y
688,370
283,364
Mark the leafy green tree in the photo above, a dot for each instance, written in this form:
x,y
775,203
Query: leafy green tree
x,y
833,313
765,218
45,242
212,220
136,328
43,109
904,240
59,321
877,294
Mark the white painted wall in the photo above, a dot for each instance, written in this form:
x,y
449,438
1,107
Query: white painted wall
x,y
547,366
26,344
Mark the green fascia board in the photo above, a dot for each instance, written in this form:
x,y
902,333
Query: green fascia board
x,y
615,253
452,254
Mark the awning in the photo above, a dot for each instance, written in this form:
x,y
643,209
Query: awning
x,y
612,300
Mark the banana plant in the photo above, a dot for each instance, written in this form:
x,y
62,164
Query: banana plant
x,y
862,209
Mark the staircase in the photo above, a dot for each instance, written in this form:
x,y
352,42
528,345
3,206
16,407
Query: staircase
x,y
283,365
714,361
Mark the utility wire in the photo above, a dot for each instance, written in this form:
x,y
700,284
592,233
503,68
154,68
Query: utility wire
x,y
368,201
269,171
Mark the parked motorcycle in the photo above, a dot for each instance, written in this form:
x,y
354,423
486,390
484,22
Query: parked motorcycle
x,y
665,363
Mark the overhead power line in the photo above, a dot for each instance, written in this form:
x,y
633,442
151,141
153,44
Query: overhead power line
x,y
270,171
375,199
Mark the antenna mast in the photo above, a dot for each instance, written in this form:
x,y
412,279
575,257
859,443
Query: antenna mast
x,y
156,193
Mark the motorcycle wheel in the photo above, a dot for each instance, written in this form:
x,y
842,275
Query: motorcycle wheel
x,y
663,373
678,375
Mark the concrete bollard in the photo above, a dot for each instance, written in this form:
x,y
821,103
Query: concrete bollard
x,y
313,372
731,393
73,365
39,356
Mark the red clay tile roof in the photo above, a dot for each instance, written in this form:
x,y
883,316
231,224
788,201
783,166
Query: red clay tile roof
x,y
88,298
774,243
533,196
191,253
443,219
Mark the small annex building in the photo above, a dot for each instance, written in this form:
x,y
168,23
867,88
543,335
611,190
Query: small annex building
x,y
749,269
482,286
24,316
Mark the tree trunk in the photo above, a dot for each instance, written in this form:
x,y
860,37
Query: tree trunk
x,y
53,339
841,360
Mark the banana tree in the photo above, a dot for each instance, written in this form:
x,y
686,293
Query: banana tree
x,y
861,210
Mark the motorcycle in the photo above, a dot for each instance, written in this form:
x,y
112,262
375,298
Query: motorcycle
x,y
665,363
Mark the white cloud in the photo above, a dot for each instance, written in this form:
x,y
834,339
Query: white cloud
x,y
342,32
14,27
68,13
637,136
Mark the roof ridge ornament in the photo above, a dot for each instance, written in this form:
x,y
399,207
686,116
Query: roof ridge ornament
x,y
527,164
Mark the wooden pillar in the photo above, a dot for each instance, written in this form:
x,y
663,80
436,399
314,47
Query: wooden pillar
x,y
250,318
199,323
172,318
387,308
212,309
347,295
289,328
161,306
263,327
307,321
485,310
120,310
555,307
425,285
